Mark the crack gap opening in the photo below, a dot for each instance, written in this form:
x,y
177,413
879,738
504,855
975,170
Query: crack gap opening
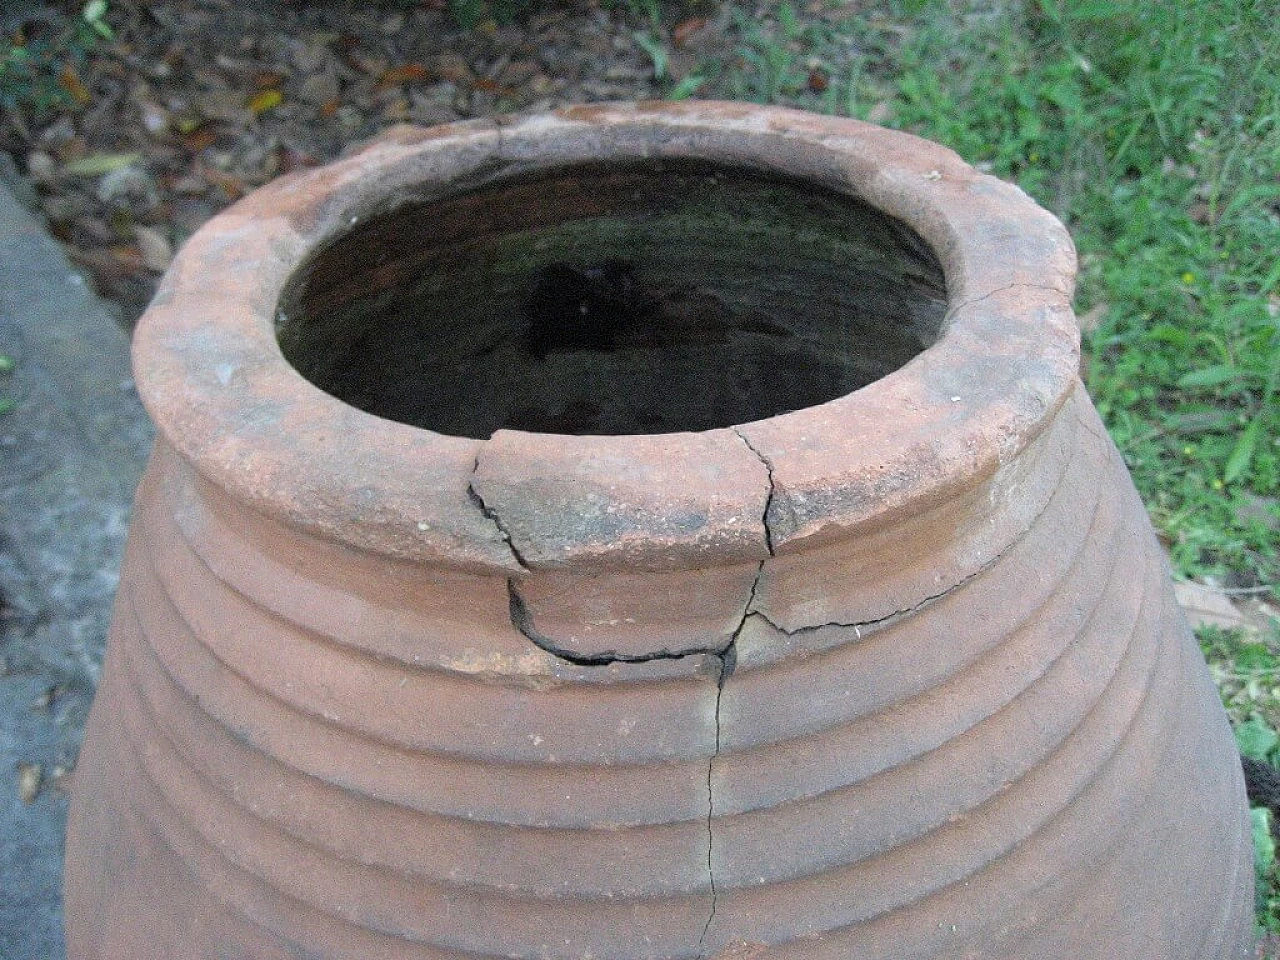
x,y
728,662
522,619
859,625
768,502
492,516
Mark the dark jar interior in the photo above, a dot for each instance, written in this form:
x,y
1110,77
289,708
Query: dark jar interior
x,y
649,298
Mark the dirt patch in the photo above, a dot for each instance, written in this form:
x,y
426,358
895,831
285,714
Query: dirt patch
x,y
190,105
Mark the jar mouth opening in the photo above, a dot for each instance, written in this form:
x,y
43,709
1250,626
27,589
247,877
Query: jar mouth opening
x,y
312,353
643,297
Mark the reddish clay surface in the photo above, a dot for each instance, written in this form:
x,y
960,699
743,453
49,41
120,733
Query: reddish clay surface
x,y
898,675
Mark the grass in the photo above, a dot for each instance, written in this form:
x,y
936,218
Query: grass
x,y
6,367
39,72
1247,671
1153,130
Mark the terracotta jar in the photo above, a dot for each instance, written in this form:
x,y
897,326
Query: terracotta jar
x,y
657,531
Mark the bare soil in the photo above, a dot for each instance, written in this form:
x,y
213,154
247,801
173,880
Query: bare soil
x,y
191,104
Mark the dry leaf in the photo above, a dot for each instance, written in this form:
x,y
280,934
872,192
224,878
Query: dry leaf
x,y
72,83
189,185
45,699
197,140
1207,606
290,159
450,66
232,186
518,72
157,252
1259,614
96,164
232,65
268,79
372,66
70,150
60,778
687,28
41,167
396,110
127,258
155,118
225,105
320,88
260,103
880,112
129,188
399,76
96,228
209,79
1090,319
311,50
190,120
29,777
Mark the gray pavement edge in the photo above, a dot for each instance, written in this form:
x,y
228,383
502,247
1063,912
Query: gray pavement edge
x,y
71,451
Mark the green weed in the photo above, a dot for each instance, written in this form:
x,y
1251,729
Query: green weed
x,y
1154,132
1247,672
6,367
39,65
1267,903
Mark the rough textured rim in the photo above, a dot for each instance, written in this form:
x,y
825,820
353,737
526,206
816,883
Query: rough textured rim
x,y
212,375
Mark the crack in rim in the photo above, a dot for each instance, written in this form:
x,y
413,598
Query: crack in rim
x,y
213,377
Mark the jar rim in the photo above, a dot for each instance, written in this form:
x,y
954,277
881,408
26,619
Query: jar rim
x,y
213,377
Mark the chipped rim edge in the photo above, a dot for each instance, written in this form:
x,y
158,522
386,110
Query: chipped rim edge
x,y
213,378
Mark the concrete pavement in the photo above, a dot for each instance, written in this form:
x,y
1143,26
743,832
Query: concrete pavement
x,y
71,451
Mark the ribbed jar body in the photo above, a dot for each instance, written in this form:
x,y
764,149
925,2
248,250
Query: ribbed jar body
x,y
1031,764
968,723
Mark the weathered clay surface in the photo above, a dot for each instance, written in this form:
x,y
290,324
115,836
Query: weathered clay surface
x,y
897,675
